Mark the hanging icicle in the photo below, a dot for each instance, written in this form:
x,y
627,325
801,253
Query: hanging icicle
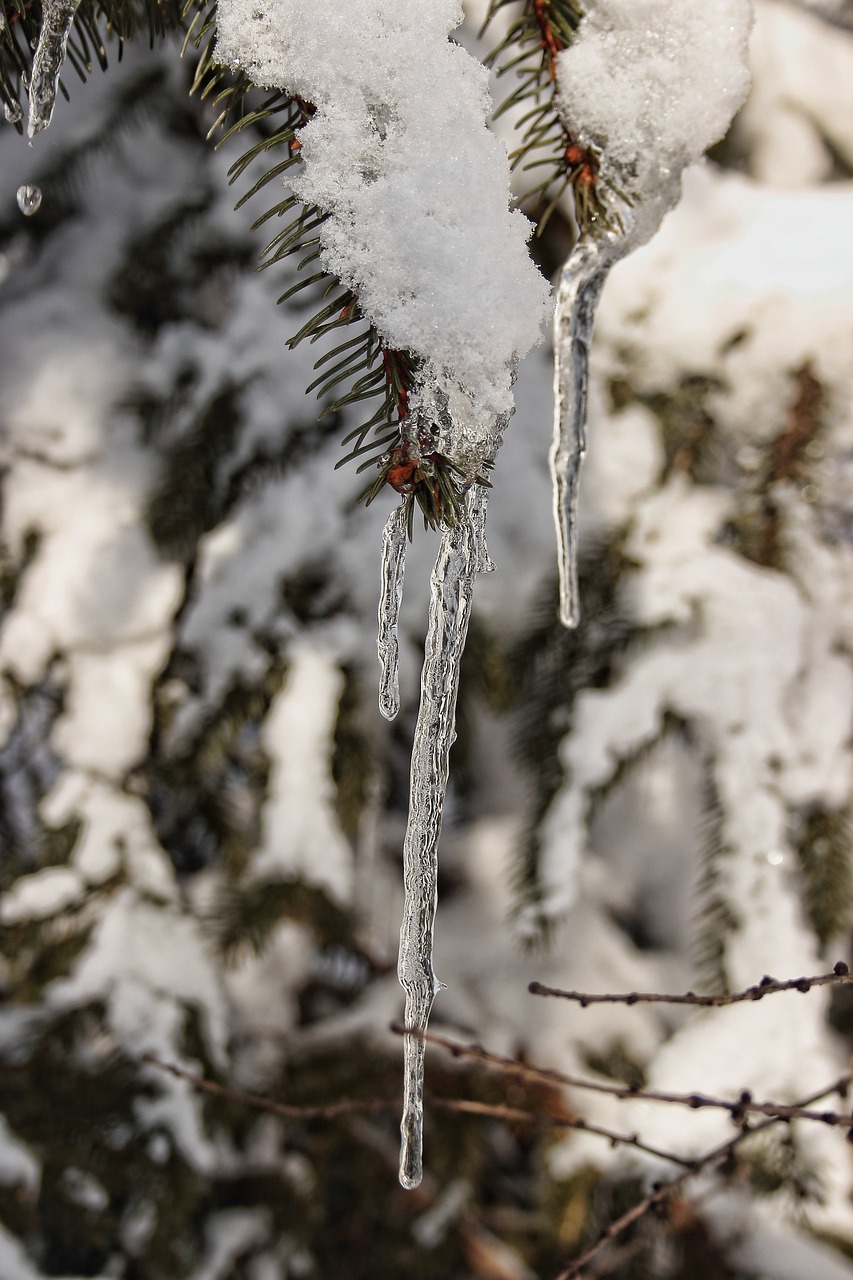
x,y
581,282
451,591
57,16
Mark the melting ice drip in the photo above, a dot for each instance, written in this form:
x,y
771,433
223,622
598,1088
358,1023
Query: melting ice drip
x,y
461,555
57,16
581,282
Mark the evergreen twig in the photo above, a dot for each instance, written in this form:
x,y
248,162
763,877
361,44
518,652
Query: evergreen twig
x,y
530,49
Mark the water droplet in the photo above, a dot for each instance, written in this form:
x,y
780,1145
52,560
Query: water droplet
x,y
775,858
12,111
749,458
29,199
810,493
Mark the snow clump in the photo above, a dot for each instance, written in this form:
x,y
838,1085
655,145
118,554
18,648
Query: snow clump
x,y
399,154
651,84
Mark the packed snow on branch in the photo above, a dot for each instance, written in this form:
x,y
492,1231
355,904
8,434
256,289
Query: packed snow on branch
x,y
648,85
399,154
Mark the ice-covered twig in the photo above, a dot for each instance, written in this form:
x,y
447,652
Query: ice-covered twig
x,y
766,987
451,590
581,282
393,566
57,16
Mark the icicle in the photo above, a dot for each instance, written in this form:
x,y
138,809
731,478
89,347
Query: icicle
x,y
479,506
57,16
451,589
394,540
581,282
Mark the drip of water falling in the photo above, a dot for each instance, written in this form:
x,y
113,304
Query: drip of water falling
x,y
29,199
393,567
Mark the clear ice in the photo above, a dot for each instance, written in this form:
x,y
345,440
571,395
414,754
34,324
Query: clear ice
x,y
460,555
394,540
57,16
581,282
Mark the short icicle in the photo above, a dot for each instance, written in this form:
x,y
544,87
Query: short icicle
x,y
451,591
581,282
57,16
394,540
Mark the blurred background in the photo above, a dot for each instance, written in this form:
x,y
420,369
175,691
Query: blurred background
x,y
201,810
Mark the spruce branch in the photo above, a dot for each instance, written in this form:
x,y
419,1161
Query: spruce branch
x,y
530,49
766,987
363,368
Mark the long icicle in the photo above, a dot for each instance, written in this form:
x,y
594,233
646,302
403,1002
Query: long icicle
x,y
394,539
451,591
581,282
57,16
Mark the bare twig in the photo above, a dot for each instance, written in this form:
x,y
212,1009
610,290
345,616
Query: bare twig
x,y
766,987
738,1109
516,1115
662,1191
344,1106
349,1106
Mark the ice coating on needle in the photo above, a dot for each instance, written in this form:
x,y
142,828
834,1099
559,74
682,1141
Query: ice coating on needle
x,y
399,154
57,16
451,591
649,85
393,565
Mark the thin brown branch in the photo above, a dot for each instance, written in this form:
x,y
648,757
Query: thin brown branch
x,y
661,1192
743,1106
349,1106
344,1106
515,1115
766,987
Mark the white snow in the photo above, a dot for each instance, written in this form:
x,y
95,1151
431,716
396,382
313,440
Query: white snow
x,y
652,83
431,248
301,835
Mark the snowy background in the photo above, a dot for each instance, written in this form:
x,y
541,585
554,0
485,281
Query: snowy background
x,y
201,810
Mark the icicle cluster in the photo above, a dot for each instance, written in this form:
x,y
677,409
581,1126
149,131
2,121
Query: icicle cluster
x,y
649,85
397,152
